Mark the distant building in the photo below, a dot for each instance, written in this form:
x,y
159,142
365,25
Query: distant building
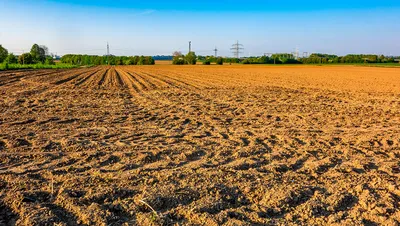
x,y
55,57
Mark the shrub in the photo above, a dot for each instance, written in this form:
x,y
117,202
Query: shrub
x,y
290,61
220,61
206,62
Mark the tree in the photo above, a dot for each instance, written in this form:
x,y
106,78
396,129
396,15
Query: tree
x,y
45,50
178,58
129,62
25,58
177,53
191,58
382,59
119,61
11,59
141,60
135,60
150,60
220,61
3,54
86,60
38,54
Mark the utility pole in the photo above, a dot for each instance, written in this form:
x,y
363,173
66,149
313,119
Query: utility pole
x,y
237,49
108,53
190,46
215,50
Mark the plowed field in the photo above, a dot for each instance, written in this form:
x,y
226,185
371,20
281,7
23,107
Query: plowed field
x,y
200,145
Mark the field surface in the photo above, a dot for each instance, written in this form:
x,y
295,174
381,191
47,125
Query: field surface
x,y
200,145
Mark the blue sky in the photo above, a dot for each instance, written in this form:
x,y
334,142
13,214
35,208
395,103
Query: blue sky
x,y
161,27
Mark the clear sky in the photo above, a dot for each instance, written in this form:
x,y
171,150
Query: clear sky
x,y
160,27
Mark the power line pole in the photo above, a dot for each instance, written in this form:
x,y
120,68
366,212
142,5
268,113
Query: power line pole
x,y
215,50
237,49
108,53
190,46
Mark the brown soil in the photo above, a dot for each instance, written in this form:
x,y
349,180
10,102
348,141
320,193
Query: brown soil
x,y
200,145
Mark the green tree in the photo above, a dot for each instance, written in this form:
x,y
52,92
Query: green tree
x,y
141,60
135,60
86,60
38,54
3,54
382,59
220,61
25,58
129,62
150,60
119,61
98,60
45,50
11,59
191,58
178,58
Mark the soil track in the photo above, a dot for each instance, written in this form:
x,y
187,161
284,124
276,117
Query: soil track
x,y
200,145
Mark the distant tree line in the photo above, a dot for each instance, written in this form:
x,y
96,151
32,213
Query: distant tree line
x,y
76,59
315,58
216,60
274,59
318,58
38,54
163,57
278,58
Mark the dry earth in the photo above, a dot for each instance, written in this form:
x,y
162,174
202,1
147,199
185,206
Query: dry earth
x,y
200,145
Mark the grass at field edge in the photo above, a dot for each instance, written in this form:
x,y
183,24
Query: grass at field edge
x,y
3,66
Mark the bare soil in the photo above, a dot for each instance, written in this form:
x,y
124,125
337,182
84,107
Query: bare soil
x,y
200,145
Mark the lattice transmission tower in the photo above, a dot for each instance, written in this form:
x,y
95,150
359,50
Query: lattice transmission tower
x,y
237,49
216,51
